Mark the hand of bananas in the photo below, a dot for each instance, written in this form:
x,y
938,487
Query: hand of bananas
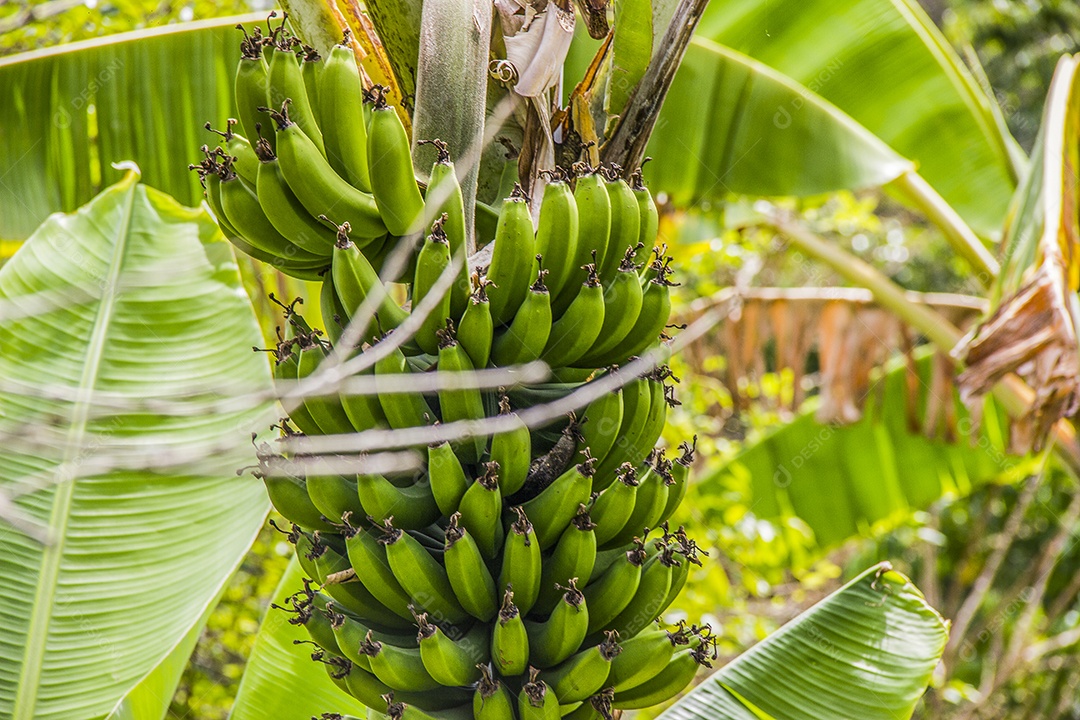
x,y
517,575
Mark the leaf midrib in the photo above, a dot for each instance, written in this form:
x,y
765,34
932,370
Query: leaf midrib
x,y
64,479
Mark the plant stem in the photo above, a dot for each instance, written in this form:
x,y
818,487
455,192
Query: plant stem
x,y
960,236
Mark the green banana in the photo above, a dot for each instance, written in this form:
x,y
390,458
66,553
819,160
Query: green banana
x,y
511,258
307,549
558,503
577,330
525,338
521,569
318,188
447,477
594,226
556,639
287,86
680,475
481,511
637,444
433,259
365,687
334,495
349,633
666,684
405,711
573,558
326,410
354,279
240,203
492,700
509,639
473,585
584,673
311,69
651,319
341,97
364,410
600,424
340,583
476,329
615,504
648,217
393,179
284,211
649,502
333,314
251,82
557,230
368,554
411,507
637,399
597,707
443,185
244,160
402,409
643,656
453,662
534,700
289,495
512,449
622,304
308,608
421,575
625,223
649,600
610,593
465,404
399,668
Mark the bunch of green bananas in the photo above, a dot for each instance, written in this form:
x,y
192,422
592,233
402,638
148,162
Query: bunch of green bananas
x,y
517,575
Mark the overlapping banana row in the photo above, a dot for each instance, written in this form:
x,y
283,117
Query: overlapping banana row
x,y
517,575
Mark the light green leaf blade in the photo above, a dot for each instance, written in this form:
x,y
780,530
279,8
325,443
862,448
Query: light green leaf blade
x,y
866,652
132,299
884,64
72,111
281,681
731,124
842,480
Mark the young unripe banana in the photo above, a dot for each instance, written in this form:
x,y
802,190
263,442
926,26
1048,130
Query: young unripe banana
x,y
289,496
600,424
578,329
285,212
558,503
251,82
509,640
350,593
622,303
287,84
557,230
643,656
333,494
306,551
651,319
625,223
405,711
481,511
669,682
521,562
433,259
412,507
535,701
574,557
421,576
354,279
311,69
447,477
240,204
651,597
309,608
610,593
511,257
443,188
525,338
318,188
594,226
326,410
512,450
636,401
469,576
639,440
341,98
393,179
555,639
597,707
244,160
402,409
368,554
398,668
649,502
492,700
649,218
465,404
680,475
363,409
584,673
476,329
615,504
453,662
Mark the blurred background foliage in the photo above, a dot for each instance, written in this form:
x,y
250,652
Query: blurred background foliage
x,y
1007,548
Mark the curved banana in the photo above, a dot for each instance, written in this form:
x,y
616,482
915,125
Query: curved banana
x,y
492,700
558,503
434,257
465,404
285,212
584,673
650,500
512,450
594,227
481,511
615,504
422,576
509,640
649,600
666,684
354,279
651,319
399,668
625,223
557,230
610,593
368,555
469,576
443,187
558,637
402,409
453,662
573,558
578,329
476,329
251,82
680,475
341,98
447,477
525,338
600,424
412,507
511,266
535,702
333,494
521,569
643,656
287,85
622,304
393,178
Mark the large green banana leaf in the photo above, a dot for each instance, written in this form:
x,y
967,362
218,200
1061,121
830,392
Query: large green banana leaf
x,y
866,652
842,479
881,68
281,681
72,111
125,362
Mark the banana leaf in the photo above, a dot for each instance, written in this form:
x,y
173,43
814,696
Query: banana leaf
x,y
125,358
866,652
281,680
72,111
843,480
